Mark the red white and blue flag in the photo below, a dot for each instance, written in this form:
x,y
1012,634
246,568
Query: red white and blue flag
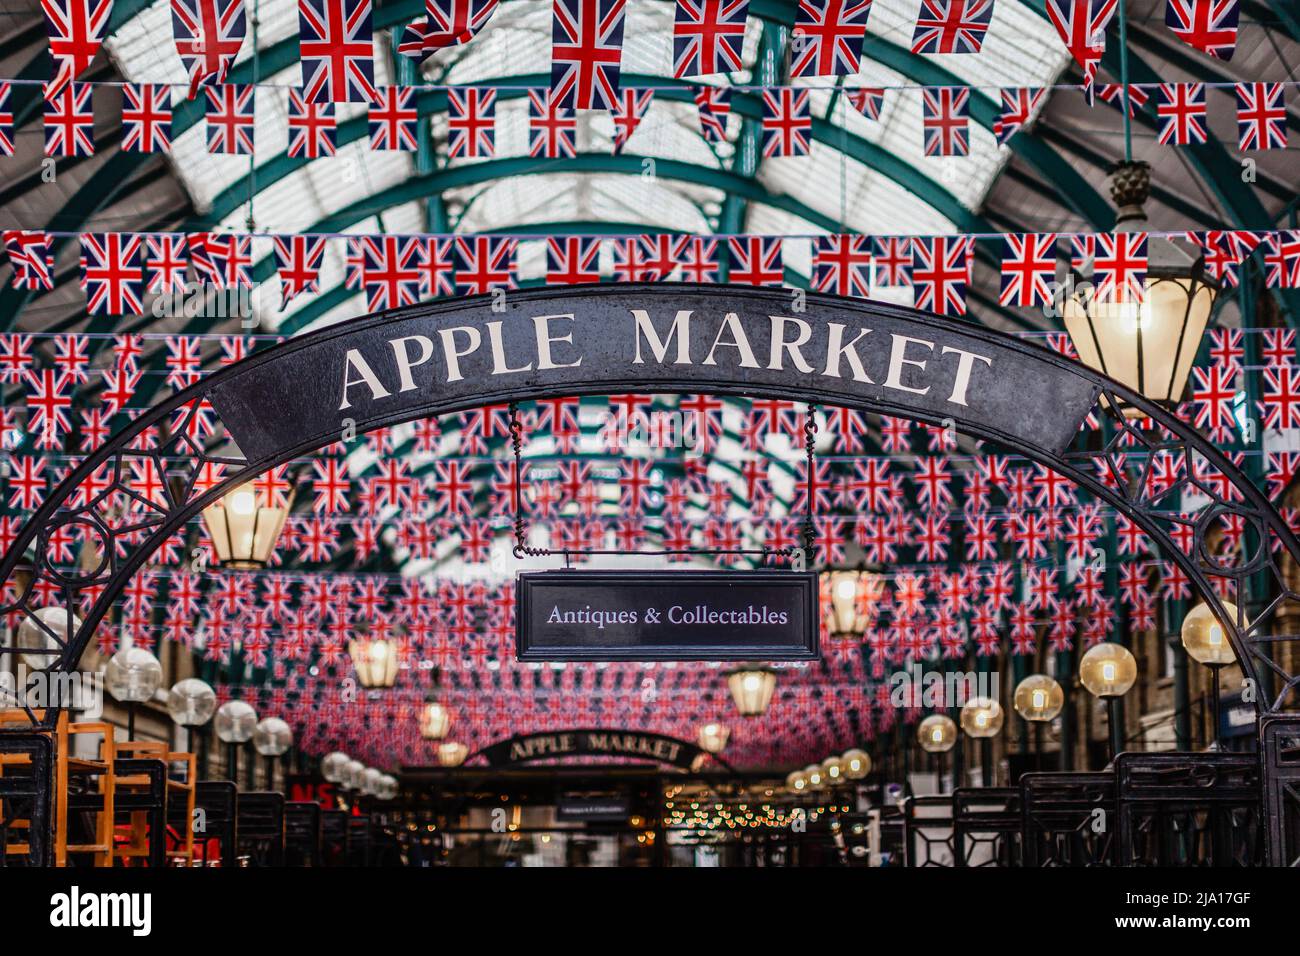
x,y
1113,95
230,119
842,265
6,119
632,261
1028,268
945,116
951,26
1261,116
484,263
1180,108
572,260
697,257
393,119
313,128
755,260
438,268
1018,107
630,108
165,262
787,122
70,121
146,118
714,106
222,260
1282,260
708,36
1082,27
297,262
29,254
112,273
893,258
828,37
390,270
471,122
867,100
208,35
76,29
453,22
1207,25
551,128
941,273
1120,266
337,43
586,52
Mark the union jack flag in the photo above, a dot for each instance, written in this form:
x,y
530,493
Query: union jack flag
x,y
867,100
1082,26
787,122
76,29
112,273
828,36
146,118
208,35
313,129
1261,116
1282,260
390,270
697,257
337,44
412,41
29,254
394,120
945,112
1018,106
586,50
230,119
1120,266
1214,392
755,260
941,272
572,260
893,258
297,261
223,261
1180,107
471,122
484,263
6,120
632,263
438,268
551,128
842,265
1113,94
1028,266
714,107
708,36
630,109
70,121
165,261
1208,25
1280,403
951,26
452,22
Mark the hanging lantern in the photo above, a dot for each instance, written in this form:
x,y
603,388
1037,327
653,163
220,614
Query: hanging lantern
x,y
1147,344
981,717
851,597
751,688
244,526
376,661
435,721
713,737
1038,698
452,753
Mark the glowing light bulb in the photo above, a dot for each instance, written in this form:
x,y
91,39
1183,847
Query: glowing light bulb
x,y
243,502
1108,671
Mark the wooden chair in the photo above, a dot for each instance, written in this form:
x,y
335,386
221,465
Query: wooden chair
x,y
97,771
178,797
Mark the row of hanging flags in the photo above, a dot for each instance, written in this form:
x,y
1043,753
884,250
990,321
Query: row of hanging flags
x,y
393,118
587,36
118,270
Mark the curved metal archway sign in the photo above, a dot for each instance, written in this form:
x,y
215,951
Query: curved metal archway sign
x,y
449,356
599,742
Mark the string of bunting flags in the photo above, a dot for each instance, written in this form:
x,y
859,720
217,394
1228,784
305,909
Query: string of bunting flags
x,y
118,270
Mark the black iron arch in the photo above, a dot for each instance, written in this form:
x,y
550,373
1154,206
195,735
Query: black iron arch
x,y
394,367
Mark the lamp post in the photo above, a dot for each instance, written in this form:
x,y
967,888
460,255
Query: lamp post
x,y
1148,338
271,738
191,703
132,675
1108,670
234,723
1206,642
751,688
244,524
937,734
982,718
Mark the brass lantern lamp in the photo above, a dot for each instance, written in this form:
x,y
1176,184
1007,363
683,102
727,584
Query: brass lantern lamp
x,y
376,660
751,688
244,524
1148,345
435,721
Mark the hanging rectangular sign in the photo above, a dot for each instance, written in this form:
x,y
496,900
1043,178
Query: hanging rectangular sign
x,y
586,615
